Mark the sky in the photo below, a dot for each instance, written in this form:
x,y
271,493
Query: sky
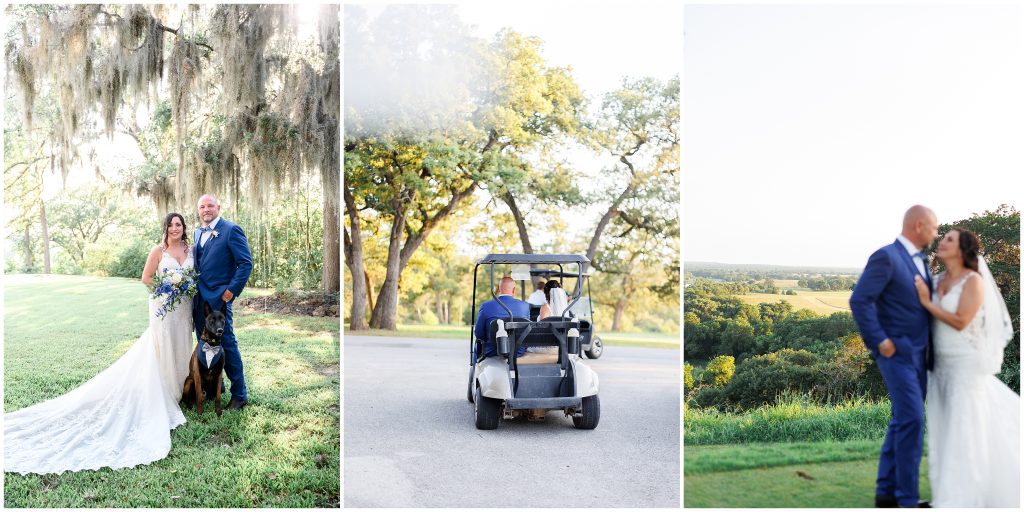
x,y
809,129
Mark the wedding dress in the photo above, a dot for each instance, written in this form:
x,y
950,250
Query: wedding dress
x,y
973,418
120,418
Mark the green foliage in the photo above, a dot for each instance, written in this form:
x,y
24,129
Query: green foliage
x,y
721,370
130,261
759,380
89,215
765,286
687,377
285,239
825,283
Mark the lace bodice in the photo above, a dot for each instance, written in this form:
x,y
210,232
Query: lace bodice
x,y
974,331
167,261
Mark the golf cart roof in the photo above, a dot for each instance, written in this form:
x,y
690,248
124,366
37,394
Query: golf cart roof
x,y
533,258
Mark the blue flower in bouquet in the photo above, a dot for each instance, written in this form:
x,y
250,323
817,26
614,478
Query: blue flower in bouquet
x,y
173,286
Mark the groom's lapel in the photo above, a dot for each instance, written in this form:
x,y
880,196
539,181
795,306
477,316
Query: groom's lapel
x,y
195,248
909,261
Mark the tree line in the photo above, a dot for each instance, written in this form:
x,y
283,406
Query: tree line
x,y
490,145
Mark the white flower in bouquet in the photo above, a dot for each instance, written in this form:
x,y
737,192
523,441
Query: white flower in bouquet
x,y
175,278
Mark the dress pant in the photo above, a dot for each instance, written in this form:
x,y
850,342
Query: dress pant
x,y
906,380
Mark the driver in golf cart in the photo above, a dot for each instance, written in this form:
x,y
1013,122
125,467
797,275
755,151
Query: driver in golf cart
x,y
490,310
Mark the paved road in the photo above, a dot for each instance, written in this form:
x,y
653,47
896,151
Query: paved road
x,y
410,440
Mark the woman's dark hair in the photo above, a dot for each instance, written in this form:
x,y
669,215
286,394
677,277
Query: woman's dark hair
x,y
969,248
548,286
184,227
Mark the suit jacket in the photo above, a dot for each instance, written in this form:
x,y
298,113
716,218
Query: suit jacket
x,y
490,310
885,304
224,263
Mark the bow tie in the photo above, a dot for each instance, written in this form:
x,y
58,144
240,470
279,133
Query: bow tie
x,y
205,230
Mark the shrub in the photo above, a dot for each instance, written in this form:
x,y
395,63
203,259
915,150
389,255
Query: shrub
x,y
131,260
709,397
721,370
687,376
760,379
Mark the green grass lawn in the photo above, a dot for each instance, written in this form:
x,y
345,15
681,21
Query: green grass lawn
x,y
768,475
281,451
461,332
790,419
821,302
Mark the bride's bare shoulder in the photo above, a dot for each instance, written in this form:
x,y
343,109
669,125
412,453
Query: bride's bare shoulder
x,y
157,249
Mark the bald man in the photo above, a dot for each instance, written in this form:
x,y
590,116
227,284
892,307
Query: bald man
x,y
491,310
222,257
896,329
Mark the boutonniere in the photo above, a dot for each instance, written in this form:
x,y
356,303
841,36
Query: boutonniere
x,y
215,233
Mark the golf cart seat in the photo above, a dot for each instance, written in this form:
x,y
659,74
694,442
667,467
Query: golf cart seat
x,y
534,311
540,335
492,329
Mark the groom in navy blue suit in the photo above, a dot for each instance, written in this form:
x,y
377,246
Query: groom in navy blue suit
x,y
896,329
224,264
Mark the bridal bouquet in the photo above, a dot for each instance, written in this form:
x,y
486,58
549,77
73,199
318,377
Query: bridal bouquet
x,y
174,285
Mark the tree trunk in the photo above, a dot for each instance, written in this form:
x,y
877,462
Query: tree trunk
x,y
399,254
369,291
28,247
620,307
46,237
524,236
330,178
383,316
354,261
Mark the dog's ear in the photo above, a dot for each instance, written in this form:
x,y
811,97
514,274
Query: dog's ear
x,y
206,308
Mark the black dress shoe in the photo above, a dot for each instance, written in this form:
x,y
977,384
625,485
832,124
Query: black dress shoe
x,y
920,504
885,501
237,405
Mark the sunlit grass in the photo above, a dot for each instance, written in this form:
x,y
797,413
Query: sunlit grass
x,y
281,451
790,419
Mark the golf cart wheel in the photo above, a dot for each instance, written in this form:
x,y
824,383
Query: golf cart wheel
x,y
591,414
488,411
469,388
596,348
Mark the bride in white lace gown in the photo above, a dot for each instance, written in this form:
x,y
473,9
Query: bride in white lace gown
x,y
973,418
122,417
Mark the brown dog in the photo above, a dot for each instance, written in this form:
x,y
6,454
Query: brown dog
x,y
205,380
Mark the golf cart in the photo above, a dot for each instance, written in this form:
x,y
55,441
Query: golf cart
x,y
504,386
583,308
